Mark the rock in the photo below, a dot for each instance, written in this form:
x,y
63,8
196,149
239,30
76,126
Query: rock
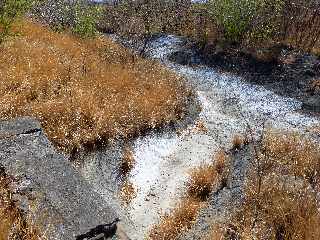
x,y
312,103
63,203
181,57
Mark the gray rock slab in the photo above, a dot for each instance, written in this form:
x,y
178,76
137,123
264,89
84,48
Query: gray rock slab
x,y
63,204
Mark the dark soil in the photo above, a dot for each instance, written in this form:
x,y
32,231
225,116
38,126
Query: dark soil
x,y
285,71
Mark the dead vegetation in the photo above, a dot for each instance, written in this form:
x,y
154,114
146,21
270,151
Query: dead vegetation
x,y
205,178
202,182
238,141
13,224
281,191
181,217
128,161
84,91
127,192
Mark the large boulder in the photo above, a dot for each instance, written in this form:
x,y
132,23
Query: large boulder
x,y
60,201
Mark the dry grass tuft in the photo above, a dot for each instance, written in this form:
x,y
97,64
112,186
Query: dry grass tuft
x,y
179,219
201,127
127,192
238,142
84,91
204,179
216,233
315,86
13,224
278,212
128,161
293,154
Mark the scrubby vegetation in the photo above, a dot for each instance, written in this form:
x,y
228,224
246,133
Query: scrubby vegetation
x,y
128,161
180,218
253,24
10,11
84,91
13,223
281,192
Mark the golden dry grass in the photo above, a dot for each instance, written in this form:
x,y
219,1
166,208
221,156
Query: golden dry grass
x,y
315,85
128,161
293,154
182,217
238,141
205,178
202,181
280,201
278,212
11,217
127,192
84,91
216,233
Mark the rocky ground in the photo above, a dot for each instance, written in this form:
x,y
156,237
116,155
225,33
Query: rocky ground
x,y
285,71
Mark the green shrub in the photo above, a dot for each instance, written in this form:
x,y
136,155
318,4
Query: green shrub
x,y
10,10
246,18
85,21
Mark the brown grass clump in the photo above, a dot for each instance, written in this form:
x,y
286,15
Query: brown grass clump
x,y
204,179
179,219
12,220
216,233
128,161
127,192
281,191
201,127
84,91
315,86
238,142
278,212
293,154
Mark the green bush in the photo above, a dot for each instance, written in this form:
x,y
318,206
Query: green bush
x,y
246,18
10,10
85,21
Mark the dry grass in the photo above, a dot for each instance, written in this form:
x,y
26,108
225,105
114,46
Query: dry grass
x,y
293,154
238,141
281,192
204,179
182,217
216,233
84,91
13,224
315,86
128,161
278,212
127,192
